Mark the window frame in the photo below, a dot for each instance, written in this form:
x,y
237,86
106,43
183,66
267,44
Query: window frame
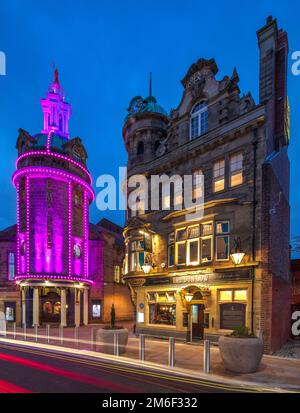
x,y
202,111
188,254
222,235
219,177
236,171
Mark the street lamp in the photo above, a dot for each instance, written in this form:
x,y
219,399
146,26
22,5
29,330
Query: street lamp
x,y
238,256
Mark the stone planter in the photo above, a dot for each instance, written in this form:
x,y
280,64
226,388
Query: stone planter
x,y
105,339
241,355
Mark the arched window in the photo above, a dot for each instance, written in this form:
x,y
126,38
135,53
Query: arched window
x,y
140,148
199,120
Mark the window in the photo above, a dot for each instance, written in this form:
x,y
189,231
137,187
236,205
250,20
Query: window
x,y
233,295
232,315
181,252
219,175
199,120
198,184
206,249
226,295
140,148
96,309
193,252
10,310
171,250
162,314
11,266
222,241
117,278
236,169
137,255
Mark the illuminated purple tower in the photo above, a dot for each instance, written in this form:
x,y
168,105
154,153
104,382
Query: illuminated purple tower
x,y
53,196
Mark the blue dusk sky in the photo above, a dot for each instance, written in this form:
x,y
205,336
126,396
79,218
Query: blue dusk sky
x,y
104,51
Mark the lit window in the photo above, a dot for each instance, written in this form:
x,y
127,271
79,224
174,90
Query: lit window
x,y
219,175
11,265
198,184
240,295
226,295
206,229
193,232
236,169
117,274
162,314
199,120
222,227
166,202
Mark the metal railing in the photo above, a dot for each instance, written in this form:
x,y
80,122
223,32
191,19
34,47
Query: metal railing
x,y
43,335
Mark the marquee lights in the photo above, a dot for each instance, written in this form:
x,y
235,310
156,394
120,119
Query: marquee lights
x,y
54,155
52,277
47,171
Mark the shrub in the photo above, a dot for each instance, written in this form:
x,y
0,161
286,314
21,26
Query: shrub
x,y
242,332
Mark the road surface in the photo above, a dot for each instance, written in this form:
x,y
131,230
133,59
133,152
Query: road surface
x,y
25,370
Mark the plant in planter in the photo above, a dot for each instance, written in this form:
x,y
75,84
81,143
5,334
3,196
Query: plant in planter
x,y
107,334
241,351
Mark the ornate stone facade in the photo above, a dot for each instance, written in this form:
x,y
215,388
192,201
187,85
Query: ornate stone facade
x,y
181,272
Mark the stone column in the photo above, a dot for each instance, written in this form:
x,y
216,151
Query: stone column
x,y
36,307
77,307
23,306
85,307
63,309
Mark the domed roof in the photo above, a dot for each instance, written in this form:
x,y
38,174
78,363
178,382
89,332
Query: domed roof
x,y
148,105
40,141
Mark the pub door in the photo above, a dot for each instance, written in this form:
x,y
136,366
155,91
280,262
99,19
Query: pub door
x,y
197,321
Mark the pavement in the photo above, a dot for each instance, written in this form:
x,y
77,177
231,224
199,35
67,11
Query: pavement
x,y
275,372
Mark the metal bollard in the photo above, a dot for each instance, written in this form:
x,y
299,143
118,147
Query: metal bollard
x,y
142,347
24,332
48,333
171,351
93,339
116,345
206,357
61,334
36,332
14,330
76,336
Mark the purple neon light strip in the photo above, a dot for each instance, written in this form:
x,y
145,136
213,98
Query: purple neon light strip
x,y
54,155
52,277
27,224
42,171
70,228
86,238
18,228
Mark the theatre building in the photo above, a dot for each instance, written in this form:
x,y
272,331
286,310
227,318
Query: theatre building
x,y
55,266
193,276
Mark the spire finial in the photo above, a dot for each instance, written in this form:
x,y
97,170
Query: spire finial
x,y
56,80
150,85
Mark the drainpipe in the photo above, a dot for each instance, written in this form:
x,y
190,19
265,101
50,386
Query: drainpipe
x,y
254,204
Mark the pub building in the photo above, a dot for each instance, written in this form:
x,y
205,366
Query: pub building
x,y
201,277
